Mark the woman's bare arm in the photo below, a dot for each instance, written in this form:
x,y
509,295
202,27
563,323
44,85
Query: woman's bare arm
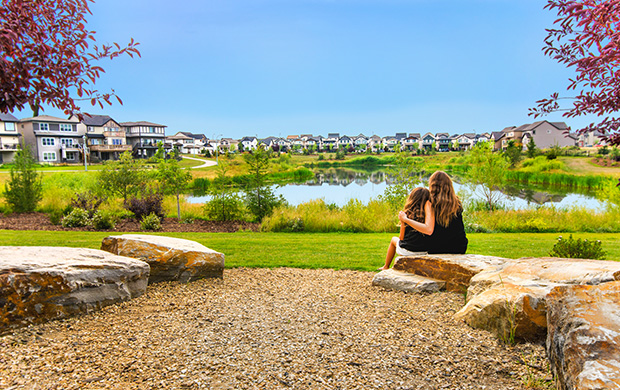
x,y
428,227
401,236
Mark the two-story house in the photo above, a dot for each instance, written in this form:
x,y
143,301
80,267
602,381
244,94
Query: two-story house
x,y
105,137
428,140
186,142
248,143
9,137
144,137
548,134
53,140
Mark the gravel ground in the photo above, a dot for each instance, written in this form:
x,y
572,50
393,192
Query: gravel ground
x,y
269,329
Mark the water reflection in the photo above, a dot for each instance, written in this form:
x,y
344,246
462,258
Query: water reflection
x,y
339,186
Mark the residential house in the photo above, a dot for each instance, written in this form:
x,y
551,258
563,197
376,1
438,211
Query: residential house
x,y
411,142
374,143
187,142
345,142
547,134
313,143
360,142
443,142
465,141
496,137
51,139
591,138
248,143
144,137
9,137
331,141
427,141
389,143
105,138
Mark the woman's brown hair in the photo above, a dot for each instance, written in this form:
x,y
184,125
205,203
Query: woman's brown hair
x,y
445,202
414,206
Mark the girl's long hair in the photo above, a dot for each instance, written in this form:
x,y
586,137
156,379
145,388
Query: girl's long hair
x,y
414,206
445,202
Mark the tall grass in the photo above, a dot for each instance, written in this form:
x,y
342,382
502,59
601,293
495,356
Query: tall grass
x,y
317,216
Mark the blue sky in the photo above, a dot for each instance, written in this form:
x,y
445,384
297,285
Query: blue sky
x,y
276,67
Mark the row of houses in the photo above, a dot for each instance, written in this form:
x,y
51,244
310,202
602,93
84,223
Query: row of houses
x,y
57,140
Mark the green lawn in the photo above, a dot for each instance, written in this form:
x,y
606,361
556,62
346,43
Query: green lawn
x,y
360,251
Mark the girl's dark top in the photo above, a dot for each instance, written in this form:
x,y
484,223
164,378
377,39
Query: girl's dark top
x,y
414,241
450,239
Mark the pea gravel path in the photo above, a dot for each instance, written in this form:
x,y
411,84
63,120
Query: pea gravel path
x,y
268,329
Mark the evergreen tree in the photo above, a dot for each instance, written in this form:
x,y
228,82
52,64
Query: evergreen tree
x,y
23,191
532,150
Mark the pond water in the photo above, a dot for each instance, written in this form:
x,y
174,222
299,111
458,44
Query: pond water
x,y
339,186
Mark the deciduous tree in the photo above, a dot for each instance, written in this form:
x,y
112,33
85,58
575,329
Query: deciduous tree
x,y
586,38
49,56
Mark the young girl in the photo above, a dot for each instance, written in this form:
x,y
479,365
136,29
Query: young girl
x,y
443,217
409,239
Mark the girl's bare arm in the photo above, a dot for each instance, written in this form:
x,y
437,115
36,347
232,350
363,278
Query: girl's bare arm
x,y
428,227
401,236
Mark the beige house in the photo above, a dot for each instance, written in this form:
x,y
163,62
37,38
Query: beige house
x,y
104,137
9,137
51,139
548,134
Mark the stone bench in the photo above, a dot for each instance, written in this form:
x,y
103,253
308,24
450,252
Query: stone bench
x,y
42,283
170,258
574,303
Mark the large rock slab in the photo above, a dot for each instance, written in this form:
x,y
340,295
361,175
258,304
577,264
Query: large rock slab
x,y
510,299
402,281
583,338
170,258
455,270
42,283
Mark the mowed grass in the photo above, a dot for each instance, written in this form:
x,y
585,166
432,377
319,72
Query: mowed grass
x,y
358,251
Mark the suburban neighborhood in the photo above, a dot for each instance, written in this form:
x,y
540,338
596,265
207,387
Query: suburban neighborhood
x,y
57,140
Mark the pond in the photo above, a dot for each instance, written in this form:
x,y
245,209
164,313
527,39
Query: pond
x,y
339,186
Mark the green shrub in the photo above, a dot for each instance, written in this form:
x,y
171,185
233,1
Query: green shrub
x,y
56,217
224,206
23,190
103,220
150,222
87,201
76,218
578,249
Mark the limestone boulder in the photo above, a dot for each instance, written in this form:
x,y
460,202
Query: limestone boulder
x,y
510,299
583,338
170,258
455,270
42,283
402,281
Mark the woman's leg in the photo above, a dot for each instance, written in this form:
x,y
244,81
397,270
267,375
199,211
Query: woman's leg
x,y
390,253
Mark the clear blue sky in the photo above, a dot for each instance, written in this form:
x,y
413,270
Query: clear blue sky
x,y
281,67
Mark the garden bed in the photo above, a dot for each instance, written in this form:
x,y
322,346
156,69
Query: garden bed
x,y
41,221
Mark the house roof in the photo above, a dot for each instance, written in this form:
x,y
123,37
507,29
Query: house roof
x,y
416,135
251,139
47,118
7,117
497,135
333,135
141,123
96,120
400,136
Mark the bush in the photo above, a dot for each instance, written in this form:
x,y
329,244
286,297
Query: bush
x,y
103,220
76,218
578,249
146,205
224,206
56,217
87,201
150,222
23,190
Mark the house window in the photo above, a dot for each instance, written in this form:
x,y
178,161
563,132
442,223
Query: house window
x,y
94,141
66,127
71,155
44,126
117,141
90,129
9,126
49,156
47,142
68,142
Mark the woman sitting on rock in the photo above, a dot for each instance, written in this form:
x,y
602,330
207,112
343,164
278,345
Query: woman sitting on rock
x,y
443,223
410,240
